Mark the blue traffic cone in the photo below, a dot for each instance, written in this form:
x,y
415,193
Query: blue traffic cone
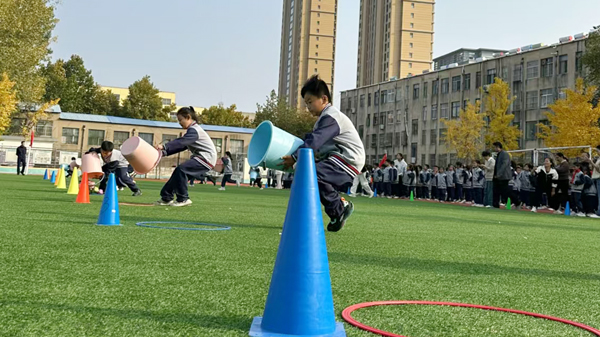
x,y
349,191
568,209
53,179
109,213
46,175
375,193
300,301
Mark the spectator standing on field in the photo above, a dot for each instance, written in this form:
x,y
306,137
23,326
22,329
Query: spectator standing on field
x,y
488,168
21,159
502,175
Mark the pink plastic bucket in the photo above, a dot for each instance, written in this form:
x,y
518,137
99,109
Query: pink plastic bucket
x,y
92,164
141,155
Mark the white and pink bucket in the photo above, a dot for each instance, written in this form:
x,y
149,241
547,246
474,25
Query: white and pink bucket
x,y
92,164
142,156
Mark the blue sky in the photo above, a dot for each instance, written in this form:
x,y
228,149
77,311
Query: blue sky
x,y
228,51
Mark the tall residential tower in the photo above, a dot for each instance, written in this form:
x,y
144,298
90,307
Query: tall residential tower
x,y
395,39
307,45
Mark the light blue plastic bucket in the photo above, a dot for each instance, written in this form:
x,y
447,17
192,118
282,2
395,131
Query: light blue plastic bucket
x,y
253,174
269,143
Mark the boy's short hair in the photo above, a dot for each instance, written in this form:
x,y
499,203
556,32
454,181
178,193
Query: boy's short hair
x,y
486,153
498,145
107,146
316,87
73,158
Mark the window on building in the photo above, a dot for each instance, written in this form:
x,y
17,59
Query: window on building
x,y
70,136
411,45
546,98
218,142
43,129
432,160
236,146
433,137
445,85
119,137
382,118
368,120
455,83
547,67
383,96
517,73
369,99
455,109
435,87
376,98
148,137
425,88
412,5
412,35
443,133
533,69
578,62
362,101
478,80
166,101
491,74
374,141
96,137
530,130
424,114
465,103
415,91
516,91
168,138
444,110
390,117
410,65
467,82
424,138
434,112
375,119
563,64
414,128
361,131
532,100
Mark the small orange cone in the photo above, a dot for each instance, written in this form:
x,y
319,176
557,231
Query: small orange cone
x,y
58,176
83,197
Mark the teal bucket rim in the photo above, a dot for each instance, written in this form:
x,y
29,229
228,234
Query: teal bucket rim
x,y
262,159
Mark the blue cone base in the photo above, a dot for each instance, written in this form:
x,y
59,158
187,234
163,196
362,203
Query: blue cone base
x,y
108,225
257,331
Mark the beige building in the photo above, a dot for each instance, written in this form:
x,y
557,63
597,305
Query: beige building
x,y
121,93
406,115
307,45
395,39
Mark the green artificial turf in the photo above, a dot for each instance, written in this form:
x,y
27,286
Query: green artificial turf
x,y
62,276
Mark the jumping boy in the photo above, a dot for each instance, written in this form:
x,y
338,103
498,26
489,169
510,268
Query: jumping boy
x,y
338,150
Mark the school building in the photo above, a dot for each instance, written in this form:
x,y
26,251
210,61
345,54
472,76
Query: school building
x,y
405,115
64,135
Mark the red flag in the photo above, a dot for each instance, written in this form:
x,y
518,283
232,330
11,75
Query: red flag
x,y
31,144
383,160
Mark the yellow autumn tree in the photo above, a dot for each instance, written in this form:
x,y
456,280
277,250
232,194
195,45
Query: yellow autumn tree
x,y
8,102
463,135
573,121
497,100
33,117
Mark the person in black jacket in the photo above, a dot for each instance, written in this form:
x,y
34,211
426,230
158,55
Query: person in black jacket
x,y
502,175
21,159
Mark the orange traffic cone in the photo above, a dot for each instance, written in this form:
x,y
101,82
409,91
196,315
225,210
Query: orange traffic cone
x,y
83,197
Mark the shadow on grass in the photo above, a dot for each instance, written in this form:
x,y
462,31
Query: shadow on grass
x,y
226,322
448,267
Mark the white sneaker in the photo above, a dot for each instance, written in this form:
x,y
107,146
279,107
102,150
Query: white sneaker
x,y
581,214
163,203
352,195
592,215
221,188
488,206
480,205
371,195
544,207
188,202
534,209
262,188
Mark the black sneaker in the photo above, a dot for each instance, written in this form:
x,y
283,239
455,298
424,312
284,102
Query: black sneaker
x,y
137,193
337,224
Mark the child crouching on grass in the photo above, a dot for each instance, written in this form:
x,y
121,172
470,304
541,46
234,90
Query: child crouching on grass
x,y
204,157
339,151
